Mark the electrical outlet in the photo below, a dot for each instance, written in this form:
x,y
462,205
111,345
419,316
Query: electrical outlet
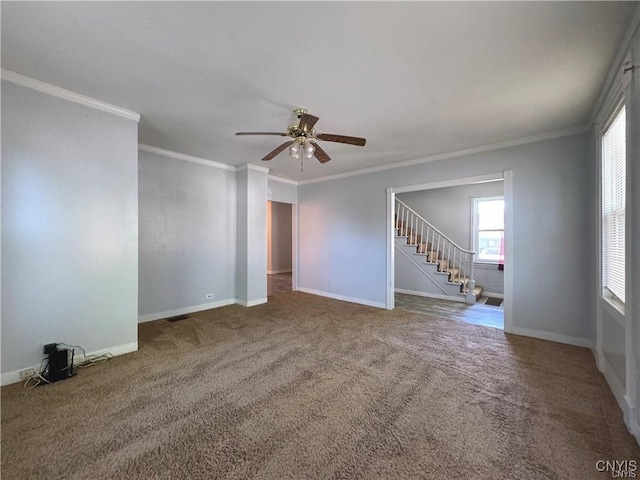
x,y
24,374
209,295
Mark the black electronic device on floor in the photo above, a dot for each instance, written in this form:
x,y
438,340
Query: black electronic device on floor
x,y
59,363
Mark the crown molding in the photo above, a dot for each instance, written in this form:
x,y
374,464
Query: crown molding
x,y
282,180
186,158
250,166
614,68
74,97
202,161
457,153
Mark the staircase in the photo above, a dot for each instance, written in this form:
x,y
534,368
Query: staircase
x,y
447,265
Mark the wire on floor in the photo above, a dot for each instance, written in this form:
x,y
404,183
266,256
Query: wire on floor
x,y
39,378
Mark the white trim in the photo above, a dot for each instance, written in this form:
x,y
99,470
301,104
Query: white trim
x,y
251,166
295,248
599,348
507,306
391,248
553,337
457,153
492,294
456,182
614,68
275,272
475,231
417,293
8,378
115,351
485,266
618,390
283,180
507,175
360,301
252,303
634,427
613,311
187,158
74,97
149,317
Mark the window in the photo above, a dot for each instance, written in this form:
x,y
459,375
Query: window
x,y
614,162
488,229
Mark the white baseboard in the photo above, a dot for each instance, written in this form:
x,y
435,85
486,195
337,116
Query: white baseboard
x,y
492,294
8,378
272,272
634,427
553,337
115,351
618,390
251,303
460,299
183,311
360,301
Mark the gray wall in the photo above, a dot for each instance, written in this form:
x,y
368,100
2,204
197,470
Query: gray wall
x,y
187,235
69,227
343,240
278,191
450,210
279,242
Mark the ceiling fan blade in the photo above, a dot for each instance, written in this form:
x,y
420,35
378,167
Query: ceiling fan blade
x,y
307,122
277,150
262,133
330,137
320,154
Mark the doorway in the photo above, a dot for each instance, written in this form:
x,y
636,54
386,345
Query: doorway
x,y
279,247
466,230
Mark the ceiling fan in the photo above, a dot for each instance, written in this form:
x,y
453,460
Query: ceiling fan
x,y
303,134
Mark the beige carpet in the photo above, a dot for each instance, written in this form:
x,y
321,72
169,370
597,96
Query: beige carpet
x,y
311,388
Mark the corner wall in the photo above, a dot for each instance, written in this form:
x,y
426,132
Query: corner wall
x,y
187,236
69,228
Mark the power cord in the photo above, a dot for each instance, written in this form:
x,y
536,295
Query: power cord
x,y
37,378
89,360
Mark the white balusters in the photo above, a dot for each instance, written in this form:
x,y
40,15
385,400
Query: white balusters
x,y
455,260
436,246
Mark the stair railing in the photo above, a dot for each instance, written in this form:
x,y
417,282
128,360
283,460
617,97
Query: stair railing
x,y
437,246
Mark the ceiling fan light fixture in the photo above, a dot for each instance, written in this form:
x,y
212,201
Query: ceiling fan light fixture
x,y
294,150
309,150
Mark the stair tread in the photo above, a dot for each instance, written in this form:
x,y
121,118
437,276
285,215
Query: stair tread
x,y
435,257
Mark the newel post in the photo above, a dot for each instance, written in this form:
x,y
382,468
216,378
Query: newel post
x,y
471,298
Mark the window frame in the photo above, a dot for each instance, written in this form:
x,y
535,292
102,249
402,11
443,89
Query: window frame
x,y
475,201
605,293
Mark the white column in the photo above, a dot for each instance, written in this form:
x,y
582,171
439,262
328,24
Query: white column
x,y
251,250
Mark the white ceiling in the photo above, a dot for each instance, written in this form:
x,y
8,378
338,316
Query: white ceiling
x,y
416,79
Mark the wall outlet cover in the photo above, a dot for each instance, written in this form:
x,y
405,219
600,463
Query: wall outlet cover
x,y
24,374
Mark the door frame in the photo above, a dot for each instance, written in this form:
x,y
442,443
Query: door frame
x,y
507,177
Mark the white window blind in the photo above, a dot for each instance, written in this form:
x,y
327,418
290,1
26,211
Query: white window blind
x,y
614,155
